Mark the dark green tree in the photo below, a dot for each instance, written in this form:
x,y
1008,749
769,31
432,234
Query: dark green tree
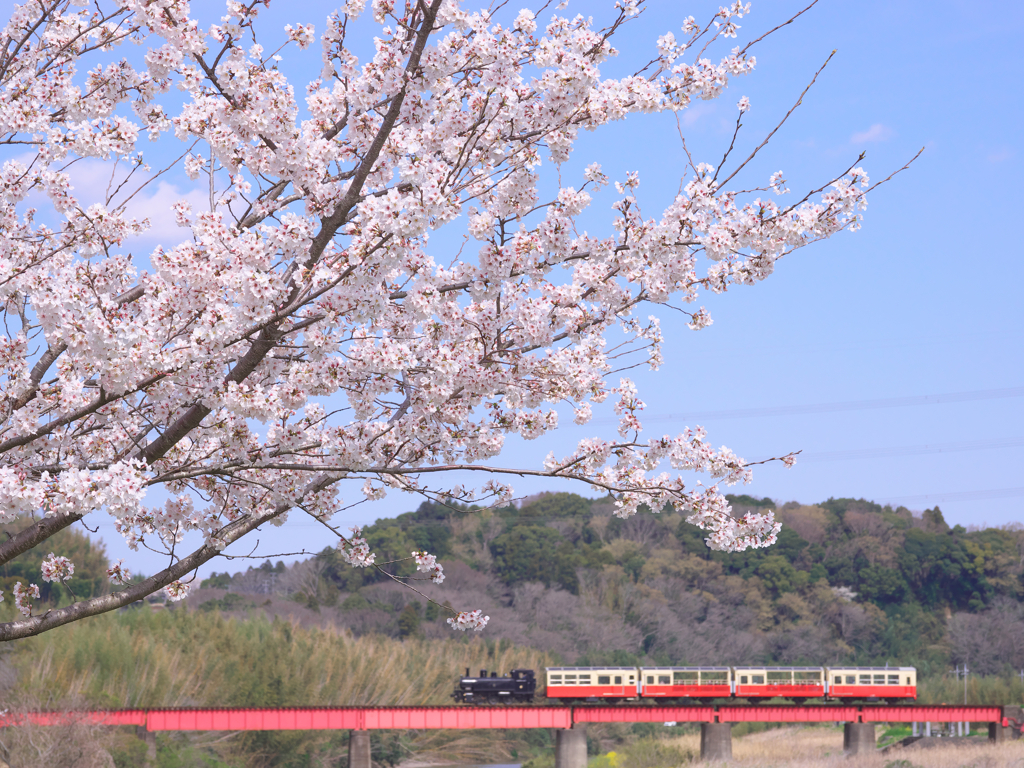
x,y
409,621
535,553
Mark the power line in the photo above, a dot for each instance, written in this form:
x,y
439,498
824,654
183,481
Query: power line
x,y
994,493
852,405
913,450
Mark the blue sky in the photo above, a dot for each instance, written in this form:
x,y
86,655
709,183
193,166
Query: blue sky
x,y
891,356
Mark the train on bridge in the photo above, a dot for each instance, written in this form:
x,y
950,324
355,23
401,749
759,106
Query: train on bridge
x,y
697,685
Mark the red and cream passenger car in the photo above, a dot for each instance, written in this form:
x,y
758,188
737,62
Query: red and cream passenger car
x,y
891,683
606,683
685,682
787,682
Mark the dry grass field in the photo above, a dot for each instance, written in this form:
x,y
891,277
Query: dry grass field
x,y
823,748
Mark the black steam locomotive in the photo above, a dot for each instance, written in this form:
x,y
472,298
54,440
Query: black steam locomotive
x,y
518,686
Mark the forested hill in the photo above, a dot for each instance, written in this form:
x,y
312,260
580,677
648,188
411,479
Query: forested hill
x,y
847,580
564,581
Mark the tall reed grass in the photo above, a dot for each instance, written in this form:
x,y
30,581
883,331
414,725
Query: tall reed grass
x,y
980,690
179,658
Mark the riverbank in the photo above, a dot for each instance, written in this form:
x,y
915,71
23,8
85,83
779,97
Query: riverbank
x,y
821,747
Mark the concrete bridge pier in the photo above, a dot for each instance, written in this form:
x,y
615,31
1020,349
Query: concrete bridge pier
x,y
997,732
716,741
1015,716
570,747
149,737
358,749
859,738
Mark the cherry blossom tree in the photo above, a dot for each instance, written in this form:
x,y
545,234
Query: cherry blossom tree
x,y
303,338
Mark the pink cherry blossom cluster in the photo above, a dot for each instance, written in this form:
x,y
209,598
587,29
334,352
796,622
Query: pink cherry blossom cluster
x,y
303,335
119,574
726,534
57,568
428,564
303,34
177,590
22,596
474,620
355,551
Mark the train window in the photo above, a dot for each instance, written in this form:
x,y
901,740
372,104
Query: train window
x,y
604,680
879,679
584,679
650,680
839,680
743,679
865,679
570,679
851,679
908,679
714,677
631,679
618,679
556,678
757,679
684,678
664,680
894,679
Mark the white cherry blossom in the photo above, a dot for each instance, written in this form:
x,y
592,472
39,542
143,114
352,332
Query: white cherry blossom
x,y
355,551
57,568
23,595
301,336
119,574
474,620
177,590
428,564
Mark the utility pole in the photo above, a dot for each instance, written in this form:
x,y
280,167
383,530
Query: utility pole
x,y
966,726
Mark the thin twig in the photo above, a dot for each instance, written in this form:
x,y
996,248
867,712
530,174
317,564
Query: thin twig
x,y
784,119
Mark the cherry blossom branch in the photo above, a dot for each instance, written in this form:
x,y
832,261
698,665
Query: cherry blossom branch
x,y
321,284
790,20
785,117
104,603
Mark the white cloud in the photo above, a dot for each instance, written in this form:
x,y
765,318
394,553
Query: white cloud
x,y
876,132
155,204
91,181
696,111
1002,155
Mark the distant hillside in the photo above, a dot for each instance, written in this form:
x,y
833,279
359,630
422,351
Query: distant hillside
x,y
848,580
564,581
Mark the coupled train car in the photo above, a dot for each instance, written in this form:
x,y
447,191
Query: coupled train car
x,y
706,684
611,685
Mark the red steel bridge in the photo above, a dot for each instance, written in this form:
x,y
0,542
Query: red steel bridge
x,y
569,722
372,718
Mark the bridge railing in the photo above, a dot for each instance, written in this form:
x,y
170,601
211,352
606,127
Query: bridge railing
x,y
422,718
